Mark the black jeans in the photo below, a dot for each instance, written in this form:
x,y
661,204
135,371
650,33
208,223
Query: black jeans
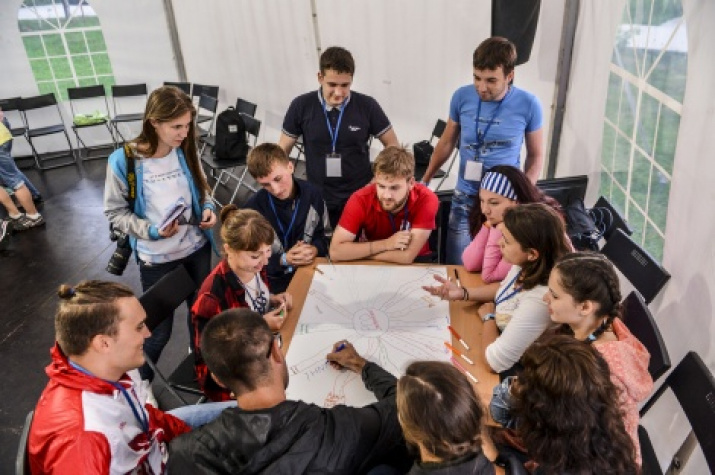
x,y
198,265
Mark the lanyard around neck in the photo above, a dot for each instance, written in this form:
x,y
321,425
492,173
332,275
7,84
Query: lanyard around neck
x,y
333,132
139,413
482,138
285,233
503,298
259,303
405,218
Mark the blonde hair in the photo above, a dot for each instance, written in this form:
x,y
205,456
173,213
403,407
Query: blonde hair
x,y
395,162
245,229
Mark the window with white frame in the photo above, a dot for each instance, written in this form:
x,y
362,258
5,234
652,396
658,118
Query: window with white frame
x,y
642,117
64,44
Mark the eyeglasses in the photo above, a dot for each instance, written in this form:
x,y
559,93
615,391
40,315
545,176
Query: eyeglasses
x,y
276,336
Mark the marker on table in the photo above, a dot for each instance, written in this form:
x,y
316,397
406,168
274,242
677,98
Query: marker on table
x,y
456,279
456,335
463,370
340,347
458,353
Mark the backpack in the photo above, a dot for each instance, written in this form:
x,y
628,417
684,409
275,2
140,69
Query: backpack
x,y
422,152
231,142
585,227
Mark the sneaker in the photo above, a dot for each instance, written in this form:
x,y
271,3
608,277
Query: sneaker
x,y
5,230
24,222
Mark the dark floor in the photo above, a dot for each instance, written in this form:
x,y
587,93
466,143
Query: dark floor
x,y
73,246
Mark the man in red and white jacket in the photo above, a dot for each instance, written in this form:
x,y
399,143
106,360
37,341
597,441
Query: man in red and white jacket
x,y
93,416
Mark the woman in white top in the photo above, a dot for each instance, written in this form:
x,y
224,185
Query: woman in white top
x,y
533,239
157,173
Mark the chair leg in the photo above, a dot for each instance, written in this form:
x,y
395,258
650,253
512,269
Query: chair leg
x,y
165,382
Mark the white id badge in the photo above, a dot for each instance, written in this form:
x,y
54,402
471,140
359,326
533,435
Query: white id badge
x,y
334,167
473,171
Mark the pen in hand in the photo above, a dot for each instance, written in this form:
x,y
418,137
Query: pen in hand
x,y
456,279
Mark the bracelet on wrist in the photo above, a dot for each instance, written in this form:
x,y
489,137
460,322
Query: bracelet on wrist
x,y
488,316
465,293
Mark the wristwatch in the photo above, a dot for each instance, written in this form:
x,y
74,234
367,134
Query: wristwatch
x,y
284,260
488,316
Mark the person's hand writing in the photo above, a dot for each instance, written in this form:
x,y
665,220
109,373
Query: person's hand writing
x,y
208,219
447,291
276,317
282,299
346,357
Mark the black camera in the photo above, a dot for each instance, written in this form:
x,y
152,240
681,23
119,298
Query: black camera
x,y
120,257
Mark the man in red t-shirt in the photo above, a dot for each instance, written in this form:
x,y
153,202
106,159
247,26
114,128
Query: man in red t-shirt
x,y
392,217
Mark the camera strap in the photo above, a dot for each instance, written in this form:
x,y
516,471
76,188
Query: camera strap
x,y
131,175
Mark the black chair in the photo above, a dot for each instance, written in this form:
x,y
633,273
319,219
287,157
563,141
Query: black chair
x,y
127,95
184,86
208,104
226,167
609,215
437,132
245,107
636,264
41,110
159,303
22,463
203,90
640,322
438,237
89,97
12,104
694,387
565,189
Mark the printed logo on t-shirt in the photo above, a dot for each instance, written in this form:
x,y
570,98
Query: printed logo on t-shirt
x,y
353,128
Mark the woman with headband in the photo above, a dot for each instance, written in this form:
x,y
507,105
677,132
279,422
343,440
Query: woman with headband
x,y
501,188
584,296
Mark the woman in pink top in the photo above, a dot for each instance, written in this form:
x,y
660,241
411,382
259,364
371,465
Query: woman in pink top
x,y
584,295
501,187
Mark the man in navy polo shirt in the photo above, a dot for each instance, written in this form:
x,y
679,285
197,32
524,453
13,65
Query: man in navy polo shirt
x,y
336,125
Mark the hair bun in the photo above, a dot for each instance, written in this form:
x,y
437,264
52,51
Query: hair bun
x,y
227,210
66,292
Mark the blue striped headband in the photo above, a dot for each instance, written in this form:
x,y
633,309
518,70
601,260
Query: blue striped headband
x,y
499,184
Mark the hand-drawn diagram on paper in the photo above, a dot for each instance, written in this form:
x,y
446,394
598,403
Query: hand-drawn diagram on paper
x,y
382,310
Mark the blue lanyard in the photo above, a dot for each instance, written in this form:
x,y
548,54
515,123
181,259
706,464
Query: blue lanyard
x,y
139,414
285,234
503,298
480,140
259,303
404,218
333,132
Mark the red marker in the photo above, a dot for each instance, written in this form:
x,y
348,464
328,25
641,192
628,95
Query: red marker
x,y
463,370
456,335
458,353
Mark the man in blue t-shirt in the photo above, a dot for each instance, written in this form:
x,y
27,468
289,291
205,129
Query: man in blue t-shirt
x,y
508,117
336,125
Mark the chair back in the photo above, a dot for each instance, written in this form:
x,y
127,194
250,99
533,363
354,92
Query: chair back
x,y
162,298
203,90
129,90
641,324
253,127
39,121
38,102
184,86
13,104
694,387
438,130
88,92
209,104
22,462
636,264
245,107
564,189
615,218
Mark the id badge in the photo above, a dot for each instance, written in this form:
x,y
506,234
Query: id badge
x,y
473,171
334,167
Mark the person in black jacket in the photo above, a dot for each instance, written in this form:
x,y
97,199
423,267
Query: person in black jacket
x,y
267,433
295,209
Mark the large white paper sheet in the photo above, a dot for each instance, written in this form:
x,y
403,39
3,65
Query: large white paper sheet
x,y
382,310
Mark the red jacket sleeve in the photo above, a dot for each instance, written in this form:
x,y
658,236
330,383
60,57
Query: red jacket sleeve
x,y
173,426
86,453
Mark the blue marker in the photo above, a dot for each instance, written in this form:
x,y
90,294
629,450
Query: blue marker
x,y
340,347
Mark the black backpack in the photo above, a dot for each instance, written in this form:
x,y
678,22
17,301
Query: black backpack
x,y
231,143
585,227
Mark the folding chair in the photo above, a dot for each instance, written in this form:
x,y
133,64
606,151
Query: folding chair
x,y
22,463
184,86
565,189
226,167
641,323
89,97
694,387
38,109
245,107
129,94
636,264
14,104
208,104
159,303
438,237
437,132
203,90
615,219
